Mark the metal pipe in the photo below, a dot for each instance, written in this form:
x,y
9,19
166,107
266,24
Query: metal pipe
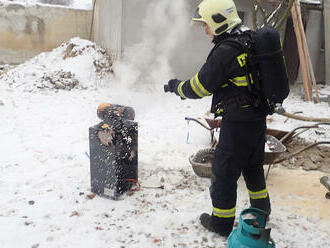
x,y
200,123
325,181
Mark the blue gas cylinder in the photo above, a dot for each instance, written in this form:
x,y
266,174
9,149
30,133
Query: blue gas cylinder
x,y
251,231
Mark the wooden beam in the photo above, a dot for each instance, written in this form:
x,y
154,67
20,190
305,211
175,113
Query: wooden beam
x,y
310,69
302,55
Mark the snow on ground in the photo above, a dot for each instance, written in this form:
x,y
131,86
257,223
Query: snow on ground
x,y
45,190
295,104
45,178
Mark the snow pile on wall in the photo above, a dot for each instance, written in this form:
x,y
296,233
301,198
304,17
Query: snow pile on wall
x,y
77,4
311,1
77,63
57,2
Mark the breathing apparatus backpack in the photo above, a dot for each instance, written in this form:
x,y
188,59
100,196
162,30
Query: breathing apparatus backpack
x,y
265,67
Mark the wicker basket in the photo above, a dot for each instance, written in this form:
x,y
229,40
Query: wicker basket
x,y
202,161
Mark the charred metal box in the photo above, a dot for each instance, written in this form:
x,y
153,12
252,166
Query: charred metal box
x,y
113,151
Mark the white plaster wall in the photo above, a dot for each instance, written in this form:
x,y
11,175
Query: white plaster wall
x,y
29,30
326,13
107,27
315,36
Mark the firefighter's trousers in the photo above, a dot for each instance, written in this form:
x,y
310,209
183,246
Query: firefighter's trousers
x,y
240,150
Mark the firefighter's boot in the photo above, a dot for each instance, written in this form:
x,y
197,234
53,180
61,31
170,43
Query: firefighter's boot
x,y
214,224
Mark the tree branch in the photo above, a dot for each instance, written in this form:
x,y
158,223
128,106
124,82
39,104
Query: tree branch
x,y
275,14
285,15
262,10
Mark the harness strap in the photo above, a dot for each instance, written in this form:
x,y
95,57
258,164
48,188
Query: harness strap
x,y
234,103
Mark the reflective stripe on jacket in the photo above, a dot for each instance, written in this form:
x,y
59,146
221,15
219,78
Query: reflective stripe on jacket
x,y
223,75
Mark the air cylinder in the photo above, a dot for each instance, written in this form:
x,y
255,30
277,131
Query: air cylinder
x,y
271,64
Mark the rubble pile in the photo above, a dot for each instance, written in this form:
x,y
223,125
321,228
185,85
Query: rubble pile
x,y
63,80
75,64
316,158
102,63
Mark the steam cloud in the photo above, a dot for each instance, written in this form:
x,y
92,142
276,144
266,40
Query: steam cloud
x,y
147,64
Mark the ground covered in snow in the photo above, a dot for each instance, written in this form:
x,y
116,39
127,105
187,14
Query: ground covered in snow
x,y
46,108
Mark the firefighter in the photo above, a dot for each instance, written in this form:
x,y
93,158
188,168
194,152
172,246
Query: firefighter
x,y
242,136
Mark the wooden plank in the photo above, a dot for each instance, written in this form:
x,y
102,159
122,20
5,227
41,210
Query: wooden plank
x,y
304,46
310,69
302,56
312,75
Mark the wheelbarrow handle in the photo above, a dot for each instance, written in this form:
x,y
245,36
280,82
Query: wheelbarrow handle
x,y
200,123
291,133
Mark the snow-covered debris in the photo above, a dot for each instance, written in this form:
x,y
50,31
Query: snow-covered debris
x,y
4,68
76,63
295,104
64,80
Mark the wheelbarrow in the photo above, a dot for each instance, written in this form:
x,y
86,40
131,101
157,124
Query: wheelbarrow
x,y
202,161
284,136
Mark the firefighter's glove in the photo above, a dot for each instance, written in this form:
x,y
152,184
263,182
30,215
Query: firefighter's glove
x,y
172,86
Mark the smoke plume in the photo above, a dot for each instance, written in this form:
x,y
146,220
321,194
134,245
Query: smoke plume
x,y
147,63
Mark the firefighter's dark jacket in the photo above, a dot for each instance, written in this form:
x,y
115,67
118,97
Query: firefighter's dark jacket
x,y
224,75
